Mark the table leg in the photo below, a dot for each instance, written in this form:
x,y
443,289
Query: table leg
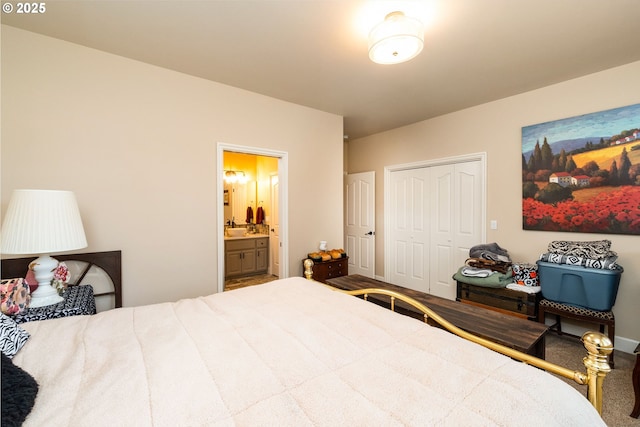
x,y
636,385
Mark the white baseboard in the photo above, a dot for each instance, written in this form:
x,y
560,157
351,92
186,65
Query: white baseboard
x,y
574,327
626,345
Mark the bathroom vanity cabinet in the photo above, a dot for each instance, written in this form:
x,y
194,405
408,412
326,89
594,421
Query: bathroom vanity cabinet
x,y
246,255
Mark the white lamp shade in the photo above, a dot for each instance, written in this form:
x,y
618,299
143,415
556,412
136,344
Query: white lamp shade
x,y
42,222
398,38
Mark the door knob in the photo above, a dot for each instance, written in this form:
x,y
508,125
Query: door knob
x,y
371,233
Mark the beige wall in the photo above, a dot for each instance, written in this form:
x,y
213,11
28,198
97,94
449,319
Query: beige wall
x,y
137,145
495,128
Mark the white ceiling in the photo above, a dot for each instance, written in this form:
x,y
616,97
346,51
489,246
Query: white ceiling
x,y
314,52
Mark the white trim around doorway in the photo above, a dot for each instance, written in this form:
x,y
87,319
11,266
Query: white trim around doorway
x,y
283,170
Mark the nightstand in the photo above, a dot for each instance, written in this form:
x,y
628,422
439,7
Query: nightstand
x,y
78,301
325,270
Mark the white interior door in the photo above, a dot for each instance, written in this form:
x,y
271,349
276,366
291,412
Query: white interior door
x,y
456,222
360,237
450,197
469,203
441,219
409,236
274,227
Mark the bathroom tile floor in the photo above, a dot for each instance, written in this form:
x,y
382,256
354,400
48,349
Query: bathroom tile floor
x,y
242,282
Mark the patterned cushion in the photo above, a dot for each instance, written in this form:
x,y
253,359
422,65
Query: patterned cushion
x,y
15,296
597,249
602,264
525,274
605,315
12,336
78,301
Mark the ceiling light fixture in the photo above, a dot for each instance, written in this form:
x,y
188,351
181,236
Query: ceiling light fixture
x,y
397,39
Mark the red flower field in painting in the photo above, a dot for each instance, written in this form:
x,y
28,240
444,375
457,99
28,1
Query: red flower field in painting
x,y
616,212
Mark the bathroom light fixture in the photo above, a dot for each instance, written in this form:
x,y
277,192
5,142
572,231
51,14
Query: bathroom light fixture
x,y
231,176
397,39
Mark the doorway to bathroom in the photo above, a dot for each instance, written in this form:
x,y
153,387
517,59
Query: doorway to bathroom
x,y
252,237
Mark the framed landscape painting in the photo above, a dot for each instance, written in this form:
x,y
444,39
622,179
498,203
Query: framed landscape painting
x,y
582,174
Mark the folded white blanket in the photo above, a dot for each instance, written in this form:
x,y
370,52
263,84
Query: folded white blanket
x,y
476,272
522,288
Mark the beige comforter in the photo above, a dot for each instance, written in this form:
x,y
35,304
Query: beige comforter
x,y
290,352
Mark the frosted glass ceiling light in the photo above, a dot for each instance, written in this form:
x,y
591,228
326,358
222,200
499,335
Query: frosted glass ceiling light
x,y
398,38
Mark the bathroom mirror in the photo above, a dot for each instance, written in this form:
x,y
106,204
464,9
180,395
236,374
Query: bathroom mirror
x,y
240,195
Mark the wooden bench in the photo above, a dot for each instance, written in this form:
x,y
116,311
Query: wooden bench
x,y
520,334
559,310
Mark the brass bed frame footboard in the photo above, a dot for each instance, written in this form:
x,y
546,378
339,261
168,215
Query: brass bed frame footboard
x,y
598,345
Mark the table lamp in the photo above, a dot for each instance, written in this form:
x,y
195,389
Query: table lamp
x,y
42,222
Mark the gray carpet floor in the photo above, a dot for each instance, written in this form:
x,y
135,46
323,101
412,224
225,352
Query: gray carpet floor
x,y
563,350
618,391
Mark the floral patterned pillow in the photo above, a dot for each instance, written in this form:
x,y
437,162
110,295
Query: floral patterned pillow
x,y
15,296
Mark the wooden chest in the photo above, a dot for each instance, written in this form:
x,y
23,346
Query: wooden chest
x,y
323,271
504,300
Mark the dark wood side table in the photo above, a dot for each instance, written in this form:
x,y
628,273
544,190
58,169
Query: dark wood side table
x,y
325,270
636,383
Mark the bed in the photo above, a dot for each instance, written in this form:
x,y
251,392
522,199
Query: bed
x,y
288,352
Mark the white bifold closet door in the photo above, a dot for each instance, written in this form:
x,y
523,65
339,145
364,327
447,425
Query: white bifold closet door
x,y
409,237
436,216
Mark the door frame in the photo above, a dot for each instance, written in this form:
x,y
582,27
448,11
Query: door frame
x,y
283,209
273,249
473,157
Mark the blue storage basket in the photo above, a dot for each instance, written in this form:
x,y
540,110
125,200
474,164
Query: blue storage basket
x,y
591,288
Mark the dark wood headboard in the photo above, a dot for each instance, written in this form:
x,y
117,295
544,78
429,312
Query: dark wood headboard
x,y
110,262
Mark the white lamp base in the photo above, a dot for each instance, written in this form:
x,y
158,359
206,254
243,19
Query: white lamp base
x,y
44,269
38,301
